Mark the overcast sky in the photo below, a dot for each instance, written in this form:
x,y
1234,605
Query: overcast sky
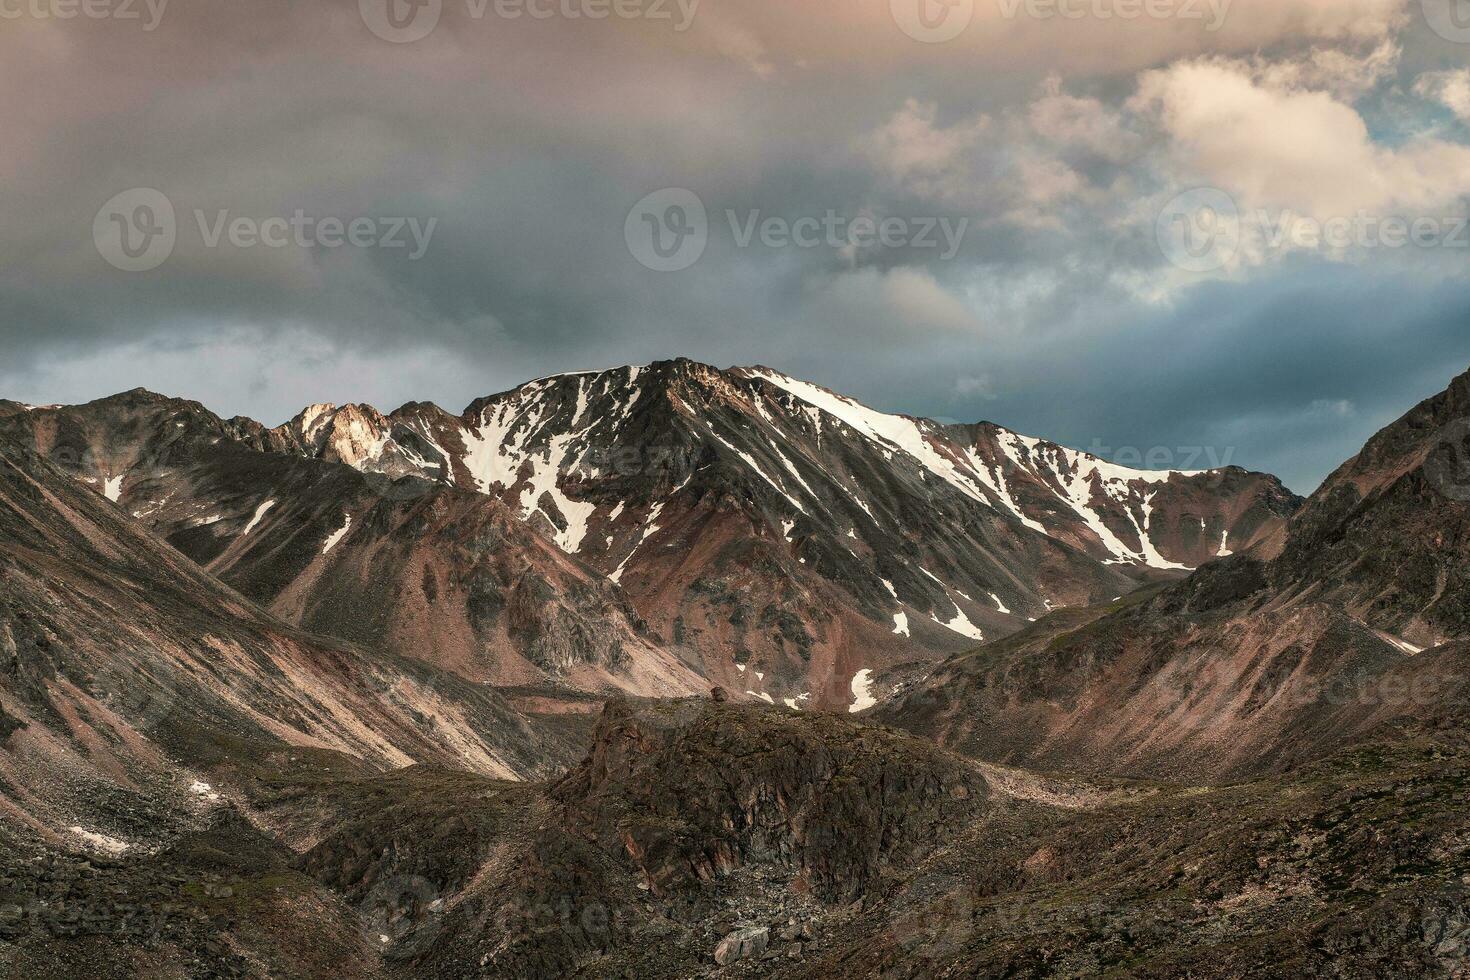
x,y
1151,224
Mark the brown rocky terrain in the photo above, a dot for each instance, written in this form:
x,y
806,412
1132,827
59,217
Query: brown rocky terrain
x,y
125,670
408,567
729,840
1249,665
648,529
1190,682
766,534
1386,536
1250,771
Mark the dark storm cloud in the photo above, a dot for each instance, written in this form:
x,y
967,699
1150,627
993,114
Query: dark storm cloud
x,y
1289,376
527,142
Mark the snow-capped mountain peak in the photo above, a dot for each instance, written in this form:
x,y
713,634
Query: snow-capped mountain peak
x,y
729,502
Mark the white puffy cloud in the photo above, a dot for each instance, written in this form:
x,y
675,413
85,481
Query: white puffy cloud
x,y
1450,88
1282,145
1077,123
917,153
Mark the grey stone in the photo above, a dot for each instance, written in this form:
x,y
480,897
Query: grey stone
x,y
742,944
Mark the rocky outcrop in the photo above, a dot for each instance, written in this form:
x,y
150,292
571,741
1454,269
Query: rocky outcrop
x,y
1388,534
743,944
694,789
690,827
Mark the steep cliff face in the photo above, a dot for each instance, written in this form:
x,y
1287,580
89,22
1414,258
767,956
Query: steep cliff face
x,y
1387,536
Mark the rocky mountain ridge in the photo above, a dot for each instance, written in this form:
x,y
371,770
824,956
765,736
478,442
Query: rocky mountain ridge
x,y
783,538
685,525
1250,665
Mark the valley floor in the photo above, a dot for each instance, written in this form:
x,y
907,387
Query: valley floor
x,y
1358,866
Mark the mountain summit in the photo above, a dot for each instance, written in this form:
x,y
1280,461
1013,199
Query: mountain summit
x,y
776,537
785,537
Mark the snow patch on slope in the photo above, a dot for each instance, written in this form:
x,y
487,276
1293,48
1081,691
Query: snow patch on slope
x,y
496,455
1075,471
862,691
1076,478
891,432
259,513
337,536
961,624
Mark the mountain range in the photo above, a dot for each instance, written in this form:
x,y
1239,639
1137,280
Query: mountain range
x,y
678,671
652,529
